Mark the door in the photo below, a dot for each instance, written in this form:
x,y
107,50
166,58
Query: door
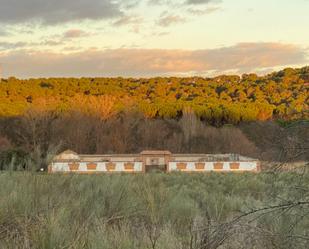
x,y
155,164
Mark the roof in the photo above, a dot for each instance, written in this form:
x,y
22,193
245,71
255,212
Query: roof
x,y
70,155
155,152
66,152
67,155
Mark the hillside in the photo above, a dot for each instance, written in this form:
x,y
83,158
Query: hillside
x,y
224,99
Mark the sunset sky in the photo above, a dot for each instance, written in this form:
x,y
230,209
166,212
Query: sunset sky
x,y
46,38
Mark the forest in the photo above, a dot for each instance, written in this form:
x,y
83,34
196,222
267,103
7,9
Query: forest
x,y
226,99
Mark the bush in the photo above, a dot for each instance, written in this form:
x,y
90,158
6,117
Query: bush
x,y
149,211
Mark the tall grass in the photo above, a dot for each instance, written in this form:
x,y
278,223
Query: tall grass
x,y
148,211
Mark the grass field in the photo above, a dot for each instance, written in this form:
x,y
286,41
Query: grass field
x,y
153,211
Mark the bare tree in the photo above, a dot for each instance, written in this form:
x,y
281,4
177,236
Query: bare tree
x,y
190,126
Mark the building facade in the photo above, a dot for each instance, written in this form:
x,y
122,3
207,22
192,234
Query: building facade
x,y
147,161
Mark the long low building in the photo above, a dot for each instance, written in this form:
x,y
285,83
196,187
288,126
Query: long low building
x,y
147,161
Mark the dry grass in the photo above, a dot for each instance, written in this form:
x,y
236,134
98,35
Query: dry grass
x,y
149,211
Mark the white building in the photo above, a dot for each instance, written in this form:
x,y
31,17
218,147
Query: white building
x,y
146,161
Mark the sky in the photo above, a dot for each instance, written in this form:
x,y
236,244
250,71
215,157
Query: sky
x,y
147,38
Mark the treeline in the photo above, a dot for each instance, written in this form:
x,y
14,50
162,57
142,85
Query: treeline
x,y
220,100
30,140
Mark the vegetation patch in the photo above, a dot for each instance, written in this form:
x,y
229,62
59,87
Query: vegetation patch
x,y
154,211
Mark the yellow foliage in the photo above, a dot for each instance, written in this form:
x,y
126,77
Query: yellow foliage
x,y
101,106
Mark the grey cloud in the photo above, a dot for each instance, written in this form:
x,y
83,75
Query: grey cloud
x,y
57,11
158,2
199,12
159,33
125,20
243,57
3,32
167,19
29,45
184,2
129,4
199,1
12,45
26,45
52,43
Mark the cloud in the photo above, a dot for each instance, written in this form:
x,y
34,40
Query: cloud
x,y
74,33
3,32
158,34
125,20
192,7
51,43
129,4
199,12
12,45
199,1
167,19
243,57
55,11
159,2
4,46
184,2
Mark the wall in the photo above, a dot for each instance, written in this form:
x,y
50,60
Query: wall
x,y
86,167
135,167
69,161
213,166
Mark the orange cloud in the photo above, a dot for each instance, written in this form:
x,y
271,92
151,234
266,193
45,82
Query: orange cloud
x,y
75,33
243,57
